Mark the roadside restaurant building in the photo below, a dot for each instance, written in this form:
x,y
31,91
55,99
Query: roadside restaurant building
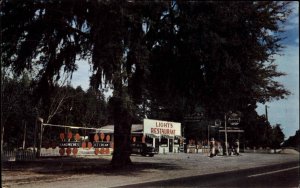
x,y
165,136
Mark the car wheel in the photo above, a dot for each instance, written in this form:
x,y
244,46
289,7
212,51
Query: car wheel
x,y
151,155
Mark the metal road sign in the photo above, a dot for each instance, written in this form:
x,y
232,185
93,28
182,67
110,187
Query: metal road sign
x,y
234,119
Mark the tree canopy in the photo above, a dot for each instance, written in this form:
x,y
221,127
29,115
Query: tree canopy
x,y
171,55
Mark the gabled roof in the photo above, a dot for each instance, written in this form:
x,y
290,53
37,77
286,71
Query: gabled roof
x,y
137,128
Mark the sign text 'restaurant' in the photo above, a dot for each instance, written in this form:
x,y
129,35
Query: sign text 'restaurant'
x,y
162,131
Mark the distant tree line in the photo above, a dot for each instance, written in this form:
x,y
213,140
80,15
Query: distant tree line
x,y
293,141
65,106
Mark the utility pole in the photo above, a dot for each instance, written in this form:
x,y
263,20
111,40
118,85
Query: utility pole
x,y
208,145
266,108
208,130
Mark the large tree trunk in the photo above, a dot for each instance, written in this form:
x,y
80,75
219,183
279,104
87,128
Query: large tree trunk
x,y
2,137
122,130
3,122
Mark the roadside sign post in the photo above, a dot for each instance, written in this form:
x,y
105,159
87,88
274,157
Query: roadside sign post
x,y
226,144
208,130
233,119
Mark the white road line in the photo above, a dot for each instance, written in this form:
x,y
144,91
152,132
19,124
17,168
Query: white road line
x,y
273,172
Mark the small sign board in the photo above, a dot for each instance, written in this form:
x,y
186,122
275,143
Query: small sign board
x,y
218,123
71,144
101,144
196,117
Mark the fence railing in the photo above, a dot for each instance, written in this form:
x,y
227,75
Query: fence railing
x,y
8,155
28,154
17,155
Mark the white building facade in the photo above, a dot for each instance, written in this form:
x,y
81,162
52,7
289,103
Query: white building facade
x,y
166,136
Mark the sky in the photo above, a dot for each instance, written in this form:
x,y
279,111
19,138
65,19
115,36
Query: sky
x,y
284,112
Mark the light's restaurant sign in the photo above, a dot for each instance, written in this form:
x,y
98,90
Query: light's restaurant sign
x,y
158,127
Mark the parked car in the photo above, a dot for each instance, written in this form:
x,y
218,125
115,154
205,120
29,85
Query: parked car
x,y
143,148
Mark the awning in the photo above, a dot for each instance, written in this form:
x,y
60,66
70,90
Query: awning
x,y
179,137
136,133
167,136
152,136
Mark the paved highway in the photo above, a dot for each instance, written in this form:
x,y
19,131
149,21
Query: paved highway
x,y
281,175
173,170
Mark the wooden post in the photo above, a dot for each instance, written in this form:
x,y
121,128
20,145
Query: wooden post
x,y
24,138
226,144
40,120
34,139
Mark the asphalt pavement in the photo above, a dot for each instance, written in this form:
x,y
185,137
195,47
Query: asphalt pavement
x,y
279,175
170,170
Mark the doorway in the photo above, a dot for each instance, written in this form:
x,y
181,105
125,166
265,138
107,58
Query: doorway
x,y
171,145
